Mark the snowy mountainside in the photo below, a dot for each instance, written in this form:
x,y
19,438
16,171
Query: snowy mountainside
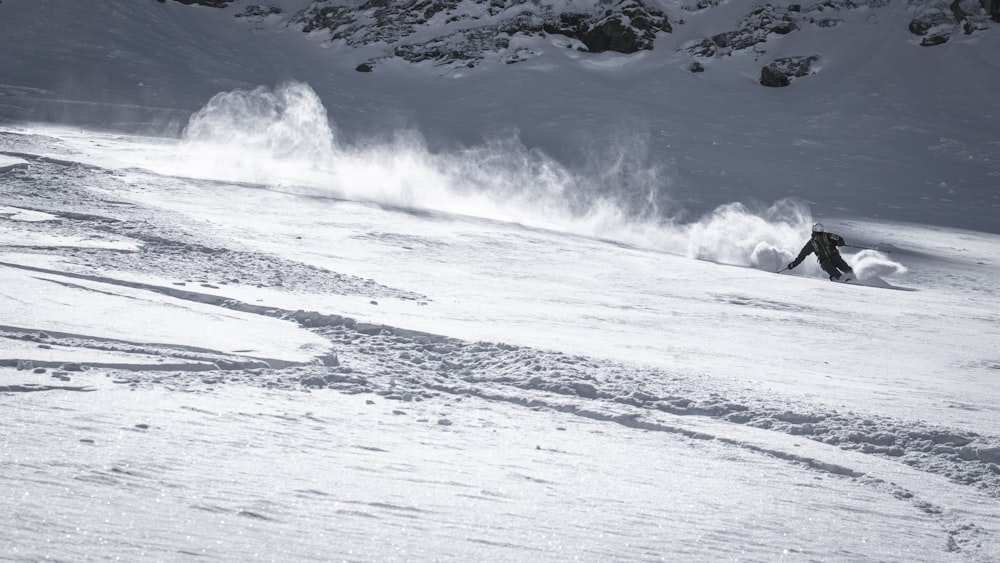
x,y
525,310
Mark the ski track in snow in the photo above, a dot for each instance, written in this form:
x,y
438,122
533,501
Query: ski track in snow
x,y
405,366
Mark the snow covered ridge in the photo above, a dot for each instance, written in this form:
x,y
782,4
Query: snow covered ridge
x,y
464,33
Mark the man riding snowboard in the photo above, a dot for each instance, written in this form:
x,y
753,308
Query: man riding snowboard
x,y
825,246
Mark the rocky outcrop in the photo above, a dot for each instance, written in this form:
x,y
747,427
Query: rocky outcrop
x,y
258,11
629,27
780,72
208,3
458,34
937,21
756,27
463,37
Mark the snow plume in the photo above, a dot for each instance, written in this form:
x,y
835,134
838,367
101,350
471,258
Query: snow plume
x,y
872,264
262,136
770,239
639,181
733,234
282,137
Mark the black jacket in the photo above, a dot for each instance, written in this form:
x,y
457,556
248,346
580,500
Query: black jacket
x,y
823,244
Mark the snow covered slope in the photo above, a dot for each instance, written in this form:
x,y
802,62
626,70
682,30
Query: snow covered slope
x,y
367,372
518,312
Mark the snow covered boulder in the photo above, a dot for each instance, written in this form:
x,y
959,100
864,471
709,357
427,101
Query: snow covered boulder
x,y
937,21
780,72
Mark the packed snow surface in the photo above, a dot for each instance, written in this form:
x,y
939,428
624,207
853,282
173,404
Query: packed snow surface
x,y
232,369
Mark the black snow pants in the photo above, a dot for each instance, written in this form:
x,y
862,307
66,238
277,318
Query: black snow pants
x,y
835,265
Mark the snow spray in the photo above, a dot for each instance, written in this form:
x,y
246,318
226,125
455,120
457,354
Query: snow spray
x,y
282,137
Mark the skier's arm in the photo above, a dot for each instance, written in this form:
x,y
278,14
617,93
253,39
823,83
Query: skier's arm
x,y
837,240
806,251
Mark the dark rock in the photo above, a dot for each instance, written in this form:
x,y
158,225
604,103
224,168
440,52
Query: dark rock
x,y
751,30
364,67
207,3
937,39
570,25
696,67
611,35
703,48
727,39
780,72
828,22
628,27
773,79
260,11
920,27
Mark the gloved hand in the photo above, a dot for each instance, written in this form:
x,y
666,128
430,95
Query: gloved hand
x,y
791,265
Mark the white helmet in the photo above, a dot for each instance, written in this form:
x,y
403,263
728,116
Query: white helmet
x,y
817,227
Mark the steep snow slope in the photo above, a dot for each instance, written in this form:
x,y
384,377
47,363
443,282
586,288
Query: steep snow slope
x,y
660,406
398,315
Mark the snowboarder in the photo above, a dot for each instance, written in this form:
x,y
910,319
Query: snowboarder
x,y
825,245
